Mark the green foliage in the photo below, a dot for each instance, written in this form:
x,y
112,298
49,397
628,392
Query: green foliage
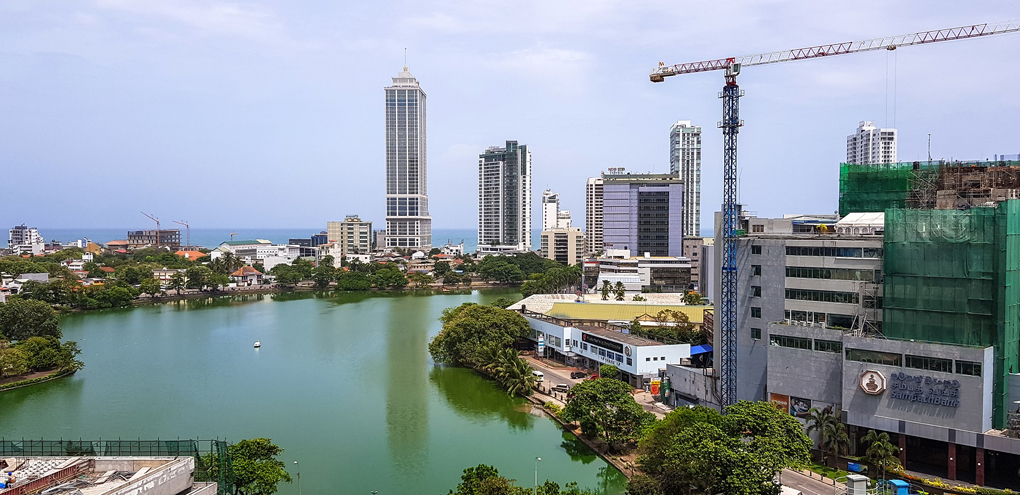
x,y
389,277
323,274
469,328
701,451
22,319
604,407
217,280
834,440
485,480
44,353
421,280
556,280
514,268
639,298
441,269
257,471
693,298
503,302
607,288
198,277
609,371
673,327
226,264
132,275
353,281
453,278
150,286
503,364
177,282
880,452
620,291
13,361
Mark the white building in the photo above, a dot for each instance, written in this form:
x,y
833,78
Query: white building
x,y
504,199
593,223
408,224
685,159
871,145
550,210
259,251
25,240
563,219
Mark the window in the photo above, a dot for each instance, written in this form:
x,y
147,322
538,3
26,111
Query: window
x,y
755,312
756,333
584,347
930,363
663,358
828,346
655,359
835,252
758,229
648,359
755,249
822,296
968,368
755,291
787,341
755,270
875,357
628,362
830,273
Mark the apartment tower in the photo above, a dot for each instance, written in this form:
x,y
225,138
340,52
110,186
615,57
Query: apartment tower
x,y
550,210
408,224
593,214
504,199
871,145
685,160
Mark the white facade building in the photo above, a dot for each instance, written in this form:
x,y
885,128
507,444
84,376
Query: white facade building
x,y
25,240
563,219
593,220
871,145
550,210
408,223
504,199
685,159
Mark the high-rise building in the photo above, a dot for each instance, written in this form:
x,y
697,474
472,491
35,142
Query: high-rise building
x,y
563,219
641,214
565,245
504,199
25,240
685,159
871,145
162,238
593,214
408,224
550,210
353,235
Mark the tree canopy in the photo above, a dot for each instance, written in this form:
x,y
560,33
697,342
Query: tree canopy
x,y
485,480
257,471
469,328
605,407
22,319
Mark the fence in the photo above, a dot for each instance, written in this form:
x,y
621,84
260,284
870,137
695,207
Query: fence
x,y
212,457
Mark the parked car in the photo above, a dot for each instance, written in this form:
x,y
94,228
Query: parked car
x,y
539,376
561,387
593,377
577,374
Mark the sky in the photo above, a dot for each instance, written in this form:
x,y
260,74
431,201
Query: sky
x,y
270,113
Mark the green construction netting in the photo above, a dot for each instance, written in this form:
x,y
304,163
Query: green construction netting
x,y
953,277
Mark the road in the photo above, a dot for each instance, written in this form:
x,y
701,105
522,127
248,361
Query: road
x,y
557,374
808,485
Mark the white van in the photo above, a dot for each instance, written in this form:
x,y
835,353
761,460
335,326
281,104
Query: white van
x,y
540,377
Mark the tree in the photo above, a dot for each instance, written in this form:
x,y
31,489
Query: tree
x,y
434,251
13,361
452,278
508,368
607,287
503,302
880,453
217,280
132,275
22,319
693,298
442,268
150,286
353,281
257,471
198,277
701,451
620,291
485,480
328,260
389,277
469,328
833,438
323,274
604,407
608,371
421,280
177,282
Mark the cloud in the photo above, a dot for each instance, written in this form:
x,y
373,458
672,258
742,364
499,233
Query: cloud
x,y
225,19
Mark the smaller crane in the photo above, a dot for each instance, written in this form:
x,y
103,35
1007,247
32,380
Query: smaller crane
x,y
232,234
188,227
154,219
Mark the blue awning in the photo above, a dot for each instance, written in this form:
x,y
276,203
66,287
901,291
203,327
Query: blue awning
x,y
700,349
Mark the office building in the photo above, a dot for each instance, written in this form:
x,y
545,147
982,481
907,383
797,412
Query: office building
x,y
685,160
163,238
593,214
353,235
25,240
692,251
647,274
565,245
504,199
550,210
641,214
871,145
408,224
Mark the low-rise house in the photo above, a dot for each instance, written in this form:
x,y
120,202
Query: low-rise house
x,y
165,274
107,271
246,276
74,265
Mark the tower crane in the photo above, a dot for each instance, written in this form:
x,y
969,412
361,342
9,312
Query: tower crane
x,y
154,219
188,228
731,124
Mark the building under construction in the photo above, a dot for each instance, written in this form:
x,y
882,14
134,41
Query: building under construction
x,y
163,238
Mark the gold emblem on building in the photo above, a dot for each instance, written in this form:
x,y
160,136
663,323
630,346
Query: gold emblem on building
x,y
873,382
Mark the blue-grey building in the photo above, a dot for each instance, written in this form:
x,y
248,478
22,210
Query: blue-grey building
x,y
641,213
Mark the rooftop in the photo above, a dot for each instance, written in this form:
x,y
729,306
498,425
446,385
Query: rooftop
x,y
100,475
594,308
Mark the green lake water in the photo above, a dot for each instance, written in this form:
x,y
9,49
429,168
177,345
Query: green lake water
x,y
343,383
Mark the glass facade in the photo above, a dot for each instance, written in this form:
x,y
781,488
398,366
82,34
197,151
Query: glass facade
x,y
408,223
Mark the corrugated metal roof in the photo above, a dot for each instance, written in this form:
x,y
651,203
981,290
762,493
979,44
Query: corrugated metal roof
x,y
622,311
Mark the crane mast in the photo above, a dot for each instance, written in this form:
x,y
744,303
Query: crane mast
x,y
188,228
730,125
154,219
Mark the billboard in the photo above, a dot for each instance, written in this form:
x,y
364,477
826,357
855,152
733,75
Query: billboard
x,y
782,402
799,407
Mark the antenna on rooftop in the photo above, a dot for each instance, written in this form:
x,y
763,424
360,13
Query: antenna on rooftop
x,y
405,59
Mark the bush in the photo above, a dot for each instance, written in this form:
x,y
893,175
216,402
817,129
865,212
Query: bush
x,y
553,407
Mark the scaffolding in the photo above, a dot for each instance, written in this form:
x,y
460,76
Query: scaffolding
x,y
953,277
212,457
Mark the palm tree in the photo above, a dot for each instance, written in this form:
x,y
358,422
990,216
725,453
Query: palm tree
x,y
620,291
833,438
606,289
516,375
881,452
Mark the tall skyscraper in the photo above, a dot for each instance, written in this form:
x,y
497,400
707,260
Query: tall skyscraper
x,y
871,145
408,223
550,210
685,159
593,214
504,199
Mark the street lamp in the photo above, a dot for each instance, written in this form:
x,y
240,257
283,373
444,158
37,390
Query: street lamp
x,y
298,467
536,474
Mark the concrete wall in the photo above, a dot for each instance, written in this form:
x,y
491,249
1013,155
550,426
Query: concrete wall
x,y
752,354
803,373
173,478
694,386
1013,387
